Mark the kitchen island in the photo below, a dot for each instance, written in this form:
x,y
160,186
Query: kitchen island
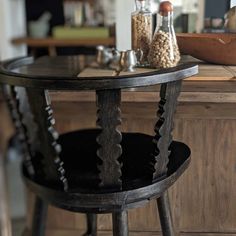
x,y
203,200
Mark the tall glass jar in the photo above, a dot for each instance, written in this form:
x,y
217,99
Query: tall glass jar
x,y
142,29
164,51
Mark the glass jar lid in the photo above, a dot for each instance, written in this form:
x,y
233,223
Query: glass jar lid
x,y
165,8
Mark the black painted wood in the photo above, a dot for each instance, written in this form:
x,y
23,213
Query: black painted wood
x,y
39,217
45,173
120,223
167,106
165,215
108,118
49,149
14,101
61,73
91,225
106,202
35,132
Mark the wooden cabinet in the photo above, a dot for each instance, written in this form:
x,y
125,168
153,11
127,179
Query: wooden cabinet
x,y
203,200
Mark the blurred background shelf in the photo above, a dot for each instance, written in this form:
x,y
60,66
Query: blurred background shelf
x,y
52,43
75,27
63,32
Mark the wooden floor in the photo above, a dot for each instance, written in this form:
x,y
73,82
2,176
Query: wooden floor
x,y
108,233
19,225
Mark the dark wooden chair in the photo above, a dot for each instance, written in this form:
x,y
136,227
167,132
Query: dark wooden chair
x,y
98,170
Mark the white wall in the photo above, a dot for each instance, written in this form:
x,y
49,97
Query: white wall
x,y
124,8
12,24
233,3
190,6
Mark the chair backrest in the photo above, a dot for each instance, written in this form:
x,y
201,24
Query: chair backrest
x,y
32,115
33,118
167,106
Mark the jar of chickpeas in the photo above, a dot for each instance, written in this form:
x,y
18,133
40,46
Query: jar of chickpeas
x,y
142,29
164,51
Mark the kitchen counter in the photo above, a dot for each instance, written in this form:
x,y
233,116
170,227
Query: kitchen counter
x,y
203,200
214,83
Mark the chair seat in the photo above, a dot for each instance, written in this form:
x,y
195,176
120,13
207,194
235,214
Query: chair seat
x,y
80,160
79,157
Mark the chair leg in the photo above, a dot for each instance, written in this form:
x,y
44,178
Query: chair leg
x,y
120,223
40,217
5,220
165,215
91,225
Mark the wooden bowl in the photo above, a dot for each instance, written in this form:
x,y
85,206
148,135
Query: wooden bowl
x,y
213,48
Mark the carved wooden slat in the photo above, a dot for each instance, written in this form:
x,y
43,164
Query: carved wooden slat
x,y
13,99
167,106
108,118
49,148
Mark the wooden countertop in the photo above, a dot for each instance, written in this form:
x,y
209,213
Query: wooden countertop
x,y
209,72
214,83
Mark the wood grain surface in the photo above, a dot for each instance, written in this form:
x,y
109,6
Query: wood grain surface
x,y
203,200
61,73
207,72
214,83
109,233
139,97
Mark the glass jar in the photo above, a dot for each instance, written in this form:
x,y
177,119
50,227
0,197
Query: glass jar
x,y
142,29
164,51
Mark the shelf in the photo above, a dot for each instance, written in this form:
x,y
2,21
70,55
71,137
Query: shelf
x,y
52,43
47,42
